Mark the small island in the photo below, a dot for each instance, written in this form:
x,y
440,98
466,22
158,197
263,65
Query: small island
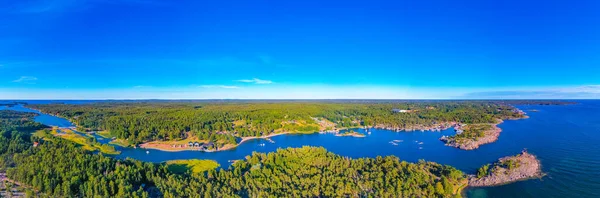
x,y
507,170
350,133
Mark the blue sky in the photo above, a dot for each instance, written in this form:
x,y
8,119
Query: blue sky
x,y
138,49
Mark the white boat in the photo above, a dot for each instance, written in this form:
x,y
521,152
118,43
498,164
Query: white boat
x,y
147,152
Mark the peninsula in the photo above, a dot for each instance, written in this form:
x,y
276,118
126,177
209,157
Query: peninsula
x,y
471,136
507,170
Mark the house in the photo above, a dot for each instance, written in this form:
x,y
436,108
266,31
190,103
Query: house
x,y
208,145
459,131
191,144
35,144
400,110
196,144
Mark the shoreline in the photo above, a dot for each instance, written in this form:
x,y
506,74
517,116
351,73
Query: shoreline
x,y
510,169
490,136
224,148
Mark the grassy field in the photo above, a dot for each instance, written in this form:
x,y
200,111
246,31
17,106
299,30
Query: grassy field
x,y
86,142
193,165
120,142
105,134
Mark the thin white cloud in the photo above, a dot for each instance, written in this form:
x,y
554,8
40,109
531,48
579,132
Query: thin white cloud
x,y
219,86
255,81
584,88
141,86
569,92
26,79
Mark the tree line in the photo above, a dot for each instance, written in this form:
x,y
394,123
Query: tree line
x,y
226,121
60,168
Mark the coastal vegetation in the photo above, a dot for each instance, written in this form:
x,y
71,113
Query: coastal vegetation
x,y
225,123
469,137
507,169
86,142
55,167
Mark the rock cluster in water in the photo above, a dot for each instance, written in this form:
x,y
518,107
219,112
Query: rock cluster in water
x,y
509,169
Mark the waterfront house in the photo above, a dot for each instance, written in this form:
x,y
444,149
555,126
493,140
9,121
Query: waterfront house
x,y
196,144
191,144
208,145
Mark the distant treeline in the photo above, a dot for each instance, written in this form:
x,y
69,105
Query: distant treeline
x,y
224,121
60,168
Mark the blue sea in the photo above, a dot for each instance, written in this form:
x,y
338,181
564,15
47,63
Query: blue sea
x,y
565,139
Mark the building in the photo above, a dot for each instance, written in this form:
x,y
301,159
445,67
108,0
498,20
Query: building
x,y
208,145
400,110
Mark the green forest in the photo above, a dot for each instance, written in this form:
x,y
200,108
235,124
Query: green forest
x,y
60,168
225,122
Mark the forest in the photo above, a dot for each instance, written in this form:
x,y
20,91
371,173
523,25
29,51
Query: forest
x,y
60,168
226,122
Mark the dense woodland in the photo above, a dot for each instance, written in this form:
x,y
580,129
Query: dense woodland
x,y
60,168
225,121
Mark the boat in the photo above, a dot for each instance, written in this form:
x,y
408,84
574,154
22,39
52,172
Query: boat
x,y
147,152
397,140
270,140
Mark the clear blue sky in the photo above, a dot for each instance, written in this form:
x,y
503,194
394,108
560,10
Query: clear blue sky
x,y
95,49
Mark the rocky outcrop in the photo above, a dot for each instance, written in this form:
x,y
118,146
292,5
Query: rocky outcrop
x,y
507,170
489,136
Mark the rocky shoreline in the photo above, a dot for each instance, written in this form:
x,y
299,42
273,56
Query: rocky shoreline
x,y
354,134
507,170
435,127
490,135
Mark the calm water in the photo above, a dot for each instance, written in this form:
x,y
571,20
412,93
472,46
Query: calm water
x,y
563,137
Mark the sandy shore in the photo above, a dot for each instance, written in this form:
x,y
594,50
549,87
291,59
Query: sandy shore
x,y
165,146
